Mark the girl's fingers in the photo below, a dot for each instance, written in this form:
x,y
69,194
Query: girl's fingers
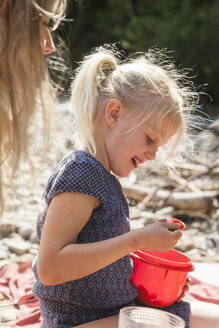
x,y
162,220
188,281
180,298
185,289
177,234
172,226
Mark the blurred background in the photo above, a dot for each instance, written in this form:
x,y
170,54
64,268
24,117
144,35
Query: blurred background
x,y
189,29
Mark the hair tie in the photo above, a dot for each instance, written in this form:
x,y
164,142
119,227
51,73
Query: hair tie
x,y
107,71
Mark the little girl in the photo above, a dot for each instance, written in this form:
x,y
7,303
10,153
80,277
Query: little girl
x,y
123,113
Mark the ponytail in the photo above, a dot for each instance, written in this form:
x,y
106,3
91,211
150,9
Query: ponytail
x,y
90,77
148,86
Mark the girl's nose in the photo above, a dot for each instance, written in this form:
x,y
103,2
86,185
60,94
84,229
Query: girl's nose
x,y
48,44
150,155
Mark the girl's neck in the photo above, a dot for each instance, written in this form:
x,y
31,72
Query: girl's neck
x,y
100,155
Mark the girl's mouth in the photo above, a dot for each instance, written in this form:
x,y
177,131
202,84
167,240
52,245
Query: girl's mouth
x,y
134,162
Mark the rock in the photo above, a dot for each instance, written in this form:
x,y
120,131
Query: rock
x,y
195,225
33,238
204,226
25,231
2,296
213,242
134,213
3,254
8,313
6,229
136,224
185,244
195,255
216,215
165,212
15,235
148,216
191,232
200,242
208,255
17,246
34,249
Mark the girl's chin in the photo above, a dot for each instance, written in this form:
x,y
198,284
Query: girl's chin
x,y
122,174
124,170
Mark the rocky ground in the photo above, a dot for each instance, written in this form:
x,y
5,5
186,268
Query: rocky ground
x,y
190,192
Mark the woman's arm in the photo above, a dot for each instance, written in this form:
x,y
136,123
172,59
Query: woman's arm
x,y
61,259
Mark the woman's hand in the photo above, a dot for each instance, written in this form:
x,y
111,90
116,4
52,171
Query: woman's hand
x,y
185,289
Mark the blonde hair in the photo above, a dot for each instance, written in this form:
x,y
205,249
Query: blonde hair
x,y
148,85
25,87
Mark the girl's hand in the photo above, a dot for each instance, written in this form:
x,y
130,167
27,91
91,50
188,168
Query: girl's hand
x,y
159,237
185,289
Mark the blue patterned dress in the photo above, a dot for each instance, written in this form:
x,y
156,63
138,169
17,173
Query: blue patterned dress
x,y
104,292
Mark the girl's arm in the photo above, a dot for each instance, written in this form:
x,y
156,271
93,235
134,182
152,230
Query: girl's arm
x,y
60,259
109,322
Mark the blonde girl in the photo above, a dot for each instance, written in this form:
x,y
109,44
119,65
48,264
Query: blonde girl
x,y
25,39
124,112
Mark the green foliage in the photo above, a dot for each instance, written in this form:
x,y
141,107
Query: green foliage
x,y
189,28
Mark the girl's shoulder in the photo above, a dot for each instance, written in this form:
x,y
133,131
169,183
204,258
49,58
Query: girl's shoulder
x,y
79,172
81,163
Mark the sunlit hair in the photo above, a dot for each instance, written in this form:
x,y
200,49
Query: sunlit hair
x,y
148,85
25,86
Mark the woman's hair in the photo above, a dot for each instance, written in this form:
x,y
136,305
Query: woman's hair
x,y
25,86
148,85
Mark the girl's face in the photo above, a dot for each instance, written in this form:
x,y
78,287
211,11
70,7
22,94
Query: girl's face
x,y
126,150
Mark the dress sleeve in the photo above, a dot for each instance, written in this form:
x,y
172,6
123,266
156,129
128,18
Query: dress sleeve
x,y
76,176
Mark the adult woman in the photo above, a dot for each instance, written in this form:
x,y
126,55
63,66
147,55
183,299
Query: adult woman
x,y
24,82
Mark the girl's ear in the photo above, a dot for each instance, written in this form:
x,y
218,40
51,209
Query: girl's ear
x,y
114,109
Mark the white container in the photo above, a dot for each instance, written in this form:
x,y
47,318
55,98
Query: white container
x,y
142,317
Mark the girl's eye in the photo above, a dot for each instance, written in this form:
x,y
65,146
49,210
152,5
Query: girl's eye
x,y
149,141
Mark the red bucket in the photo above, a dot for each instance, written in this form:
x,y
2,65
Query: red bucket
x,y
160,276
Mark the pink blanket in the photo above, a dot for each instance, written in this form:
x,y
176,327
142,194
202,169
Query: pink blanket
x,y
16,283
